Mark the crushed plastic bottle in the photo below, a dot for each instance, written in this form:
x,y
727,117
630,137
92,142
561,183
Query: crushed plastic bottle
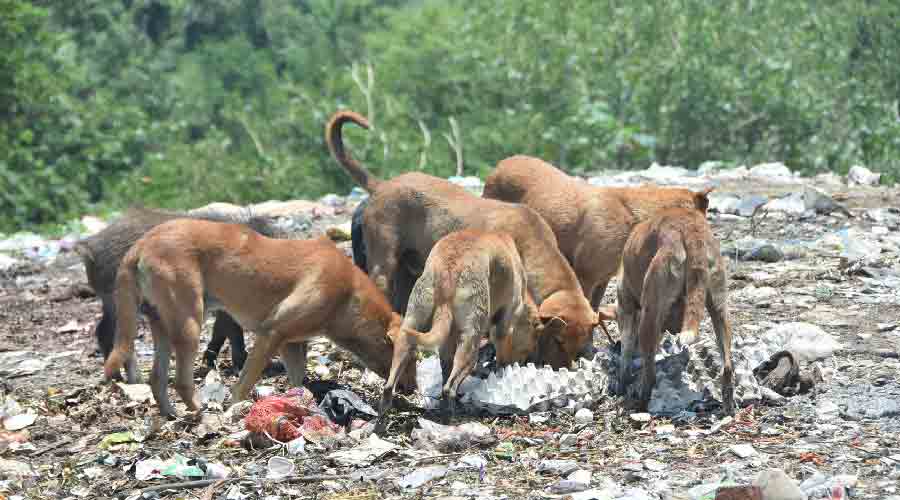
x,y
421,476
279,467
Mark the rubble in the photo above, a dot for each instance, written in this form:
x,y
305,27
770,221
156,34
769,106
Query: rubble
x,y
816,283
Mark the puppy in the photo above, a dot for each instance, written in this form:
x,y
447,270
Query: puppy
x,y
102,253
590,223
407,215
671,269
287,291
472,281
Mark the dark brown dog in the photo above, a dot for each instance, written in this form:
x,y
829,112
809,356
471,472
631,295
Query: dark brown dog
x,y
671,269
591,223
102,253
287,291
473,281
408,214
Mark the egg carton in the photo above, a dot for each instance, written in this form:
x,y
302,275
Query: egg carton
x,y
518,389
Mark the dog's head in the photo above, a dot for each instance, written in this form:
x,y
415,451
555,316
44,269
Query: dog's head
x,y
701,199
407,380
568,324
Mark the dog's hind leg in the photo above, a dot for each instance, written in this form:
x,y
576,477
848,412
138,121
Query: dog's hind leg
x,y
105,331
294,356
159,374
717,305
403,353
663,284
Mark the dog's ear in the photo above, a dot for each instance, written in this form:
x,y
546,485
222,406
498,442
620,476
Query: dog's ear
x,y
701,199
553,320
605,313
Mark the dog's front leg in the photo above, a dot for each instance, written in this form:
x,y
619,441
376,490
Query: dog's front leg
x,y
265,346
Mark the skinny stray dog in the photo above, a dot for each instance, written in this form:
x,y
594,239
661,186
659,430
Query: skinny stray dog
x,y
407,215
472,281
287,291
591,223
671,269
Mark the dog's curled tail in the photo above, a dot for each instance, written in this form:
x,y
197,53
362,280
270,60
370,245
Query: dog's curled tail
x,y
335,140
695,279
127,302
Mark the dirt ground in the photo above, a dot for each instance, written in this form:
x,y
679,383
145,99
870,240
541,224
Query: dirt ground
x,y
48,313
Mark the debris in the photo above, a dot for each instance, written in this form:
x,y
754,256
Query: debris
x,y
557,467
568,440
806,341
579,480
449,438
743,450
138,393
364,454
296,446
213,390
279,467
505,450
149,469
763,253
217,471
119,438
640,417
288,416
421,476
471,461
341,406
339,233
860,175
20,421
71,326
584,416
774,483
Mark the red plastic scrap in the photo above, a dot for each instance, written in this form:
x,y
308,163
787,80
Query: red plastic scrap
x,y
287,416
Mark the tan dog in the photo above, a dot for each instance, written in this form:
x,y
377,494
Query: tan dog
x,y
472,281
591,223
407,215
671,269
287,291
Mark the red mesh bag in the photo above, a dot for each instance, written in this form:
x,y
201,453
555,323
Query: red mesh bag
x,y
281,415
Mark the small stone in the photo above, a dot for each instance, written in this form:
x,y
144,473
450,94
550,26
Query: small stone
x,y
579,480
640,417
558,467
743,450
568,440
775,484
654,465
584,416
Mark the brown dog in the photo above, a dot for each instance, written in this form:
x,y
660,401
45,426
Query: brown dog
x,y
472,281
287,291
591,223
408,214
671,268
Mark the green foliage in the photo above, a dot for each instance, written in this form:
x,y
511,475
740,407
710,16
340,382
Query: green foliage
x,y
177,103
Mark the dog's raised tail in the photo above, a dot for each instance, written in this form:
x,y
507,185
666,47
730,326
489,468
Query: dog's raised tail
x,y
696,274
334,138
127,302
